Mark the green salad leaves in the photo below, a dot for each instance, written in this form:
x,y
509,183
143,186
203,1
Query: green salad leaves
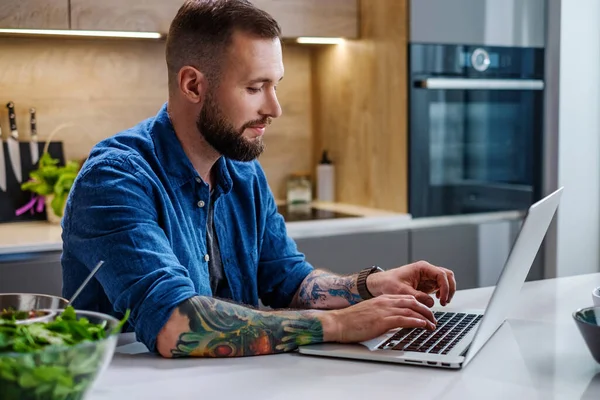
x,y
50,179
40,360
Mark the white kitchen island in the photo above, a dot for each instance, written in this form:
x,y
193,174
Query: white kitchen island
x,y
537,354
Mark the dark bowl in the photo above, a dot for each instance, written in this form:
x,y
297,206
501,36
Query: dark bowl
x,y
588,322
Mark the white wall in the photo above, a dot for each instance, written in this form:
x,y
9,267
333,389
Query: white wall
x,y
578,222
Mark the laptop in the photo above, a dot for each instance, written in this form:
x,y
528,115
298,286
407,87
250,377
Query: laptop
x,y
459,334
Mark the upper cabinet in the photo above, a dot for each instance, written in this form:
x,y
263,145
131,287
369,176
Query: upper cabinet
x,y
328,18
34,14
119,15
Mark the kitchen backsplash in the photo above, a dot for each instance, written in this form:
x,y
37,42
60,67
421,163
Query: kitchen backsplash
x,y
101,87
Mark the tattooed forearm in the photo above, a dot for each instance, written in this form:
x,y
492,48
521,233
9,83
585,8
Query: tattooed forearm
x,y
222,329
326,291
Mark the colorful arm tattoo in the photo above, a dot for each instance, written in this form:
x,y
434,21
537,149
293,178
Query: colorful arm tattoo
x,y
222,329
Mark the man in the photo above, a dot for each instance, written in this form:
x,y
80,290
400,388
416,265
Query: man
x,y
180,211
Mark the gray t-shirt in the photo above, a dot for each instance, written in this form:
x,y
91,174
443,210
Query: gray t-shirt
x,y
218,280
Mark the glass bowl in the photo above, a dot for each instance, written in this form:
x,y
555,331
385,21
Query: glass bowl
x,y
58,372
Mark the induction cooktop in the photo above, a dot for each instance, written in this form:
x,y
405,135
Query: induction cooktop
x,y
309,213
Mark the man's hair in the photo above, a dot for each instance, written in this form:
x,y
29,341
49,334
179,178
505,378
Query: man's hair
x,y
202,30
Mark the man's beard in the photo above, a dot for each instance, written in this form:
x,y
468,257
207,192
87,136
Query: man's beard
x,y
223,136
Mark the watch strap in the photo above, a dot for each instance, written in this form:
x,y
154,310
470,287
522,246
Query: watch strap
x,y
361,282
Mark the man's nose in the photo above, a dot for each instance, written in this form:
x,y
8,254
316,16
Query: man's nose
x,y
271,107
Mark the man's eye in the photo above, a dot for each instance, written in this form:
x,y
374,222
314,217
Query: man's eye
x,y
253,90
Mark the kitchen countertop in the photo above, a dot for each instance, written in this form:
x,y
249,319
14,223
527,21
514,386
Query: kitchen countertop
x,y
515,363
25,237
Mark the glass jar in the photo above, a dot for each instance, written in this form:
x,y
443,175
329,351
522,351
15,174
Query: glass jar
x,y
299,189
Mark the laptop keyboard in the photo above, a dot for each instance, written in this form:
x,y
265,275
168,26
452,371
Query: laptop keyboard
x,y
451,328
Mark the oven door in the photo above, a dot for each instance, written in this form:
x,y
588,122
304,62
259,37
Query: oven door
x,y
475,145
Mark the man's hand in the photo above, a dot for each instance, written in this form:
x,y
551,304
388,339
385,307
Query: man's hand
x,y
419,279
371,318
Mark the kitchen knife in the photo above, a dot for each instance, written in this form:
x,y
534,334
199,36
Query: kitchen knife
x,y
13,142
33,144
2,164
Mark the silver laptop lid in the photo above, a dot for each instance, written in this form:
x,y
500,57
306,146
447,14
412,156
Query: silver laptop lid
x,y
524,250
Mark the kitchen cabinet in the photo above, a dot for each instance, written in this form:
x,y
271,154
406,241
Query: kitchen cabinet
x,y
331,18
476,251
118,15
495,240
39,272
454,247
34,14
348,254
495,243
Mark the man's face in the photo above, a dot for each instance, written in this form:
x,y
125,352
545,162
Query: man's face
x,y
235,114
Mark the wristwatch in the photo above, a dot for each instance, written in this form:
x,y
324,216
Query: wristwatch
x,y
361,281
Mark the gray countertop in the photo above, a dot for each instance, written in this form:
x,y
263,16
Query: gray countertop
x,y
25,237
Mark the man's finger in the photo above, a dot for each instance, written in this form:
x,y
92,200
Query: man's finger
x,y
410,303
451,283
423,298
408,322
439,274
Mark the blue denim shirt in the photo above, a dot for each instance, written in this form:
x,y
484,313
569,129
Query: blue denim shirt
x,y
136,204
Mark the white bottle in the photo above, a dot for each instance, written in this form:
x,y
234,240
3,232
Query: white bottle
x,y
325,179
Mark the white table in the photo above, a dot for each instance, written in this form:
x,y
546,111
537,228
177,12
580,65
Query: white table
x,y
538,353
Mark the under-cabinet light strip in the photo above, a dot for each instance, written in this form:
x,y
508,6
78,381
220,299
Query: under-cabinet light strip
x,y
67,32
320,40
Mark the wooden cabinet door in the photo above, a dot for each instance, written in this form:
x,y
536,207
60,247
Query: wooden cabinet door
x,y
330,18
34,14
326,18
119,15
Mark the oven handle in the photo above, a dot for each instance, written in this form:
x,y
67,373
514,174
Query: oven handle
x,y
481,84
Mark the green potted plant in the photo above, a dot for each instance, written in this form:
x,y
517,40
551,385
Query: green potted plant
x,y
51,184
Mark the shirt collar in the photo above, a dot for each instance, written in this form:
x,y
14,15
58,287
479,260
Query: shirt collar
x,y
173,159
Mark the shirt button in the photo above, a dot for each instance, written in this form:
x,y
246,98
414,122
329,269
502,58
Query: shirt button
x,y
206,257
198,179
200,204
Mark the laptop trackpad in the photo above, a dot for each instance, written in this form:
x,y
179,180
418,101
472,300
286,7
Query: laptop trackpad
x,y
373,344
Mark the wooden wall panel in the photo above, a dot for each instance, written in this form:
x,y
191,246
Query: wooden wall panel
x,y
105,86
360,108
34,14
289,139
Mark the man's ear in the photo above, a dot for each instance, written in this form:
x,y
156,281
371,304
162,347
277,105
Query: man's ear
x,y
192,84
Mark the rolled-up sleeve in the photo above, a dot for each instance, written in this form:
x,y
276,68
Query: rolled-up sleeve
x,y
112,216
282,268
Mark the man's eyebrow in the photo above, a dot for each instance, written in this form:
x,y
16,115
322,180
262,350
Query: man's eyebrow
x,y
263,80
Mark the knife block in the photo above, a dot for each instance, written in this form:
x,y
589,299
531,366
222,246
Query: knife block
x,y
14,198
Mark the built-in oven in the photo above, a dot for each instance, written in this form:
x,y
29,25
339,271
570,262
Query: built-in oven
x,y
475,128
